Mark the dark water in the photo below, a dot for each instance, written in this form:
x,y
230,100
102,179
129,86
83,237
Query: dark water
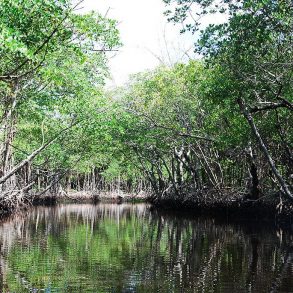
x,y
128,248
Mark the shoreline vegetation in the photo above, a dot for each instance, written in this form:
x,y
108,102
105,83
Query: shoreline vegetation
x,y
213,134
264,212
232,206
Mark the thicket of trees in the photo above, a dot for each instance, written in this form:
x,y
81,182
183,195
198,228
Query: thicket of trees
x,y
218,126
52,69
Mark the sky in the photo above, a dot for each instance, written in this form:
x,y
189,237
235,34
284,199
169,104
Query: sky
x,y
148,39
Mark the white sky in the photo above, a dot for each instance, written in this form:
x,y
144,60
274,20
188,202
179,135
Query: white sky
x,y
143,30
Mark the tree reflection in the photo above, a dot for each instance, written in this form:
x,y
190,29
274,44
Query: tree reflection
x,y
129,248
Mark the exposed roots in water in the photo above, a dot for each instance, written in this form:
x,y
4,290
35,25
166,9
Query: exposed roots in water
x,y
229,204
13,202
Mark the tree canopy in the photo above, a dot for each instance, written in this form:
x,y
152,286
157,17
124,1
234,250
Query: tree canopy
x,y
217,128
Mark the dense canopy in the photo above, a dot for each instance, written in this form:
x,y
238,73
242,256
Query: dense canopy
x,y
217,129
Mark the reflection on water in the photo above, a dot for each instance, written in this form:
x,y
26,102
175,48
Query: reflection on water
x,y
128,248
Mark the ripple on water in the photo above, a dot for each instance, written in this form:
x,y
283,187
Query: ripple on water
x,y
129,248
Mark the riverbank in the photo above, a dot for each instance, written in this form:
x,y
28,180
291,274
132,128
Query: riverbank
x,y
225,205
14,205
234,207
93,197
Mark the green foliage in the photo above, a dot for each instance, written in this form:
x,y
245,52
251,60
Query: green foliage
x,y
53,66
52,74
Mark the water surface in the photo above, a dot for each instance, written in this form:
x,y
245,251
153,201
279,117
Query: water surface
x,y
129,248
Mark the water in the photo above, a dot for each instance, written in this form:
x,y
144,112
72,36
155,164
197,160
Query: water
x,y
128,248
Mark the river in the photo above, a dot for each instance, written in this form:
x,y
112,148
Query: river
x,y
132,248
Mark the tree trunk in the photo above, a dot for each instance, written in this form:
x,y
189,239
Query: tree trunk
x,y
254,181
264,148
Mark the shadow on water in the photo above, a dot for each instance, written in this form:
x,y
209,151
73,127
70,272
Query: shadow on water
x,y
131,248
